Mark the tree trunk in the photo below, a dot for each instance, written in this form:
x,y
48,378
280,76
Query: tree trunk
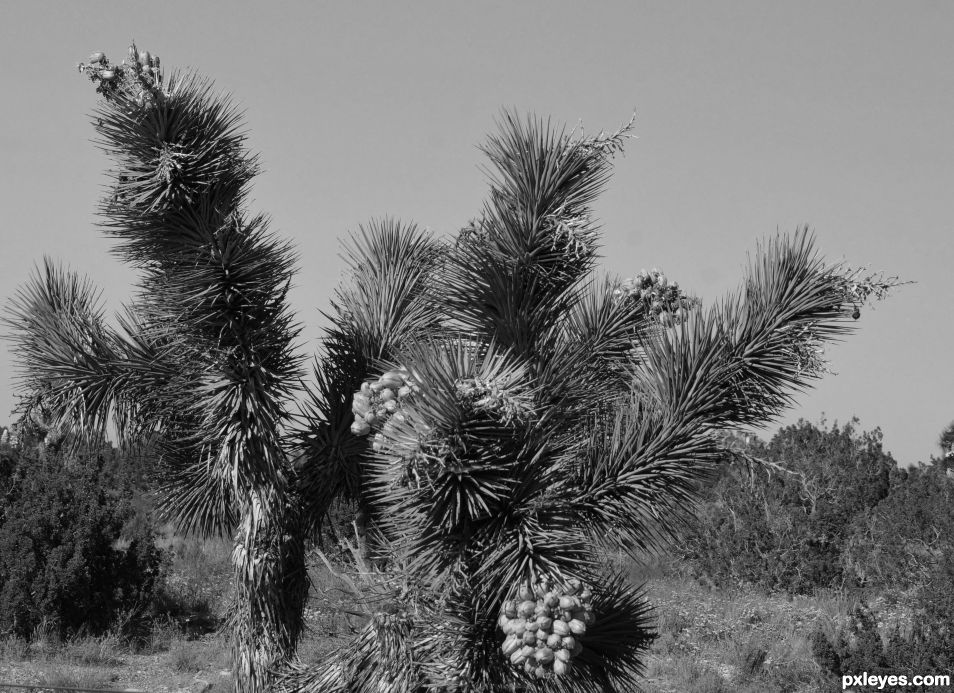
x,y
271,589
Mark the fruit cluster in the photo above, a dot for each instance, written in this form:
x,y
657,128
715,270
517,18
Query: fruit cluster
x,y
544,626
378,400
661,299
139,74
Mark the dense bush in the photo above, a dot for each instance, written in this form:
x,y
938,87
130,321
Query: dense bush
x,y
925,644
74,550
786,527
932,638
899,542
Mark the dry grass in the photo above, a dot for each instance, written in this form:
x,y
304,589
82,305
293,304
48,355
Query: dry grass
x,y
196,587
66,676
81,662
740,640
193,656
100,663
14,649
106,650
185,658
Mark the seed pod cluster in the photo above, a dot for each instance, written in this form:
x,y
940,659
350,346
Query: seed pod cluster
x,y
144,64
98,69
544,626
661,299
378,400
139,75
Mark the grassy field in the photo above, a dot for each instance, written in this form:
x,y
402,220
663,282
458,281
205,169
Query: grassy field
x,y
740,641
710,641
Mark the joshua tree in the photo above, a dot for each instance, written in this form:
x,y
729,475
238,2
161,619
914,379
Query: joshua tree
x,y
532,418
499,416
202,360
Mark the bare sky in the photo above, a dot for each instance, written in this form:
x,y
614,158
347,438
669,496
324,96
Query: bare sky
x,y
751,117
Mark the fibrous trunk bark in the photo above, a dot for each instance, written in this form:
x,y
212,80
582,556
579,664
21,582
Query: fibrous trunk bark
x,y
271,589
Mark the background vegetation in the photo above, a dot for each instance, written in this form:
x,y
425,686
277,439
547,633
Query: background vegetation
x,y
829,511
871,587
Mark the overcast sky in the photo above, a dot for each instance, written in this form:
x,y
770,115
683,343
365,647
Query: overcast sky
x,y
751,117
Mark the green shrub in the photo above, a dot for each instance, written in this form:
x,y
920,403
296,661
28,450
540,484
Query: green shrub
x,y
899,542
785,528
927,645
930,646
65,553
